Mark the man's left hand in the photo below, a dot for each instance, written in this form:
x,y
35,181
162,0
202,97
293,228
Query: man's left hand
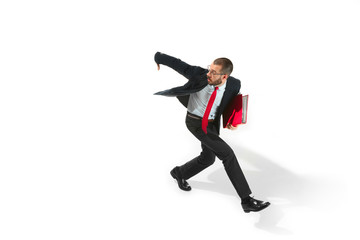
x,y
231,127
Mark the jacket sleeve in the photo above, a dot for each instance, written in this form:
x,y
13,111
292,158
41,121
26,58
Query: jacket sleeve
x,y
181,67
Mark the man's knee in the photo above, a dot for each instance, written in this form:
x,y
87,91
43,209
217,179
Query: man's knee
x,y
206,160
227,155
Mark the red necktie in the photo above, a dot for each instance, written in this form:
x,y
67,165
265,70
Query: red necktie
x,y
207,111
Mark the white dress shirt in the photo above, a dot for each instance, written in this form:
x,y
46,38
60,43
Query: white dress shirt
x,y
199,100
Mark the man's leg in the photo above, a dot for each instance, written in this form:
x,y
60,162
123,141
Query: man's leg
x,y
193,167
213,143
213,146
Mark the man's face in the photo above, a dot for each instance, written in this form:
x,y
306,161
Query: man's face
x,y
214,75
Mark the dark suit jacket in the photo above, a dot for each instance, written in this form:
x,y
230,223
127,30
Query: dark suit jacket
x,y
197,80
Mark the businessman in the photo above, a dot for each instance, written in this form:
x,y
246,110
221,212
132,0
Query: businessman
x,y
206,95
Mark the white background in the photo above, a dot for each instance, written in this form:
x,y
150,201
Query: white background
x,y
86,148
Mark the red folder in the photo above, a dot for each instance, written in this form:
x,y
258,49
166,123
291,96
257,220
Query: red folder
x,y
236,111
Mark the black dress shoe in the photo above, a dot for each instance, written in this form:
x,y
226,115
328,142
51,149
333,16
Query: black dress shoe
x,y
183,185
253,205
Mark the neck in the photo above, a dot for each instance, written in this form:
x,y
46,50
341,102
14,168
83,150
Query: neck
x,y
221,83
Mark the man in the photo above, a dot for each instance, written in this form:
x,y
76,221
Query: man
x,y
206,95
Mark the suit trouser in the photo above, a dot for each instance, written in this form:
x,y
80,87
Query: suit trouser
x,y
213,146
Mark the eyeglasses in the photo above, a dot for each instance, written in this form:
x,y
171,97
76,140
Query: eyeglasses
x,y
213,72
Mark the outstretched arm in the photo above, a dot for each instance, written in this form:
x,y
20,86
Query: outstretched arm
x,y
181,67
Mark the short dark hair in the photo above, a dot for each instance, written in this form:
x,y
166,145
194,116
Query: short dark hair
x,y
226,65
